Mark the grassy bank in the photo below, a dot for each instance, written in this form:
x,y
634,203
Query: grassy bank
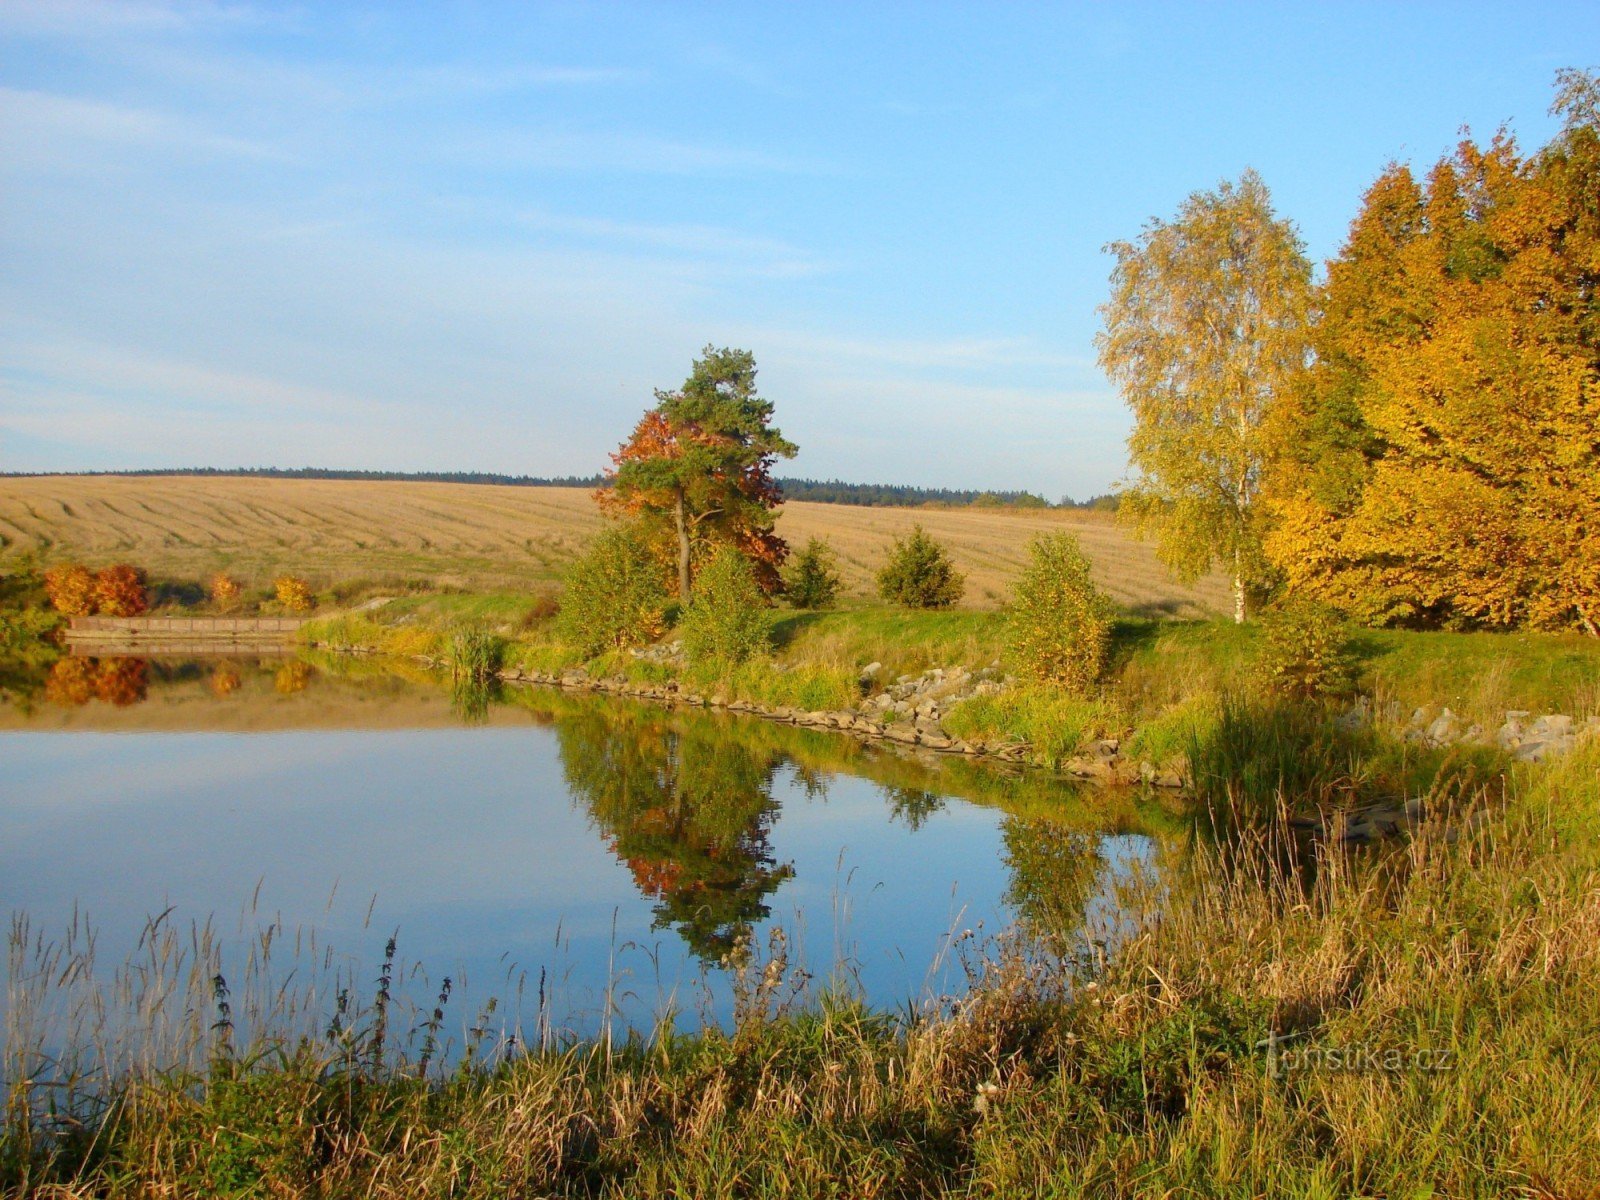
x,y
1416,1020
1165,684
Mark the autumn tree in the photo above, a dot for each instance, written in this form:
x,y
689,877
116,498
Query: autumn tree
x,y
1203,332
294,594
224,590
120,591
697,470
1457,390
71,588
1059,624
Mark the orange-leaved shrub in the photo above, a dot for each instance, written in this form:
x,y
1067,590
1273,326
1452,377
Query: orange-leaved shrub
x,y
224,590
70,588
119,591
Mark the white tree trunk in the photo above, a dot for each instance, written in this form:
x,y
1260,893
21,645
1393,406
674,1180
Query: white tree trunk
x,y
1238,589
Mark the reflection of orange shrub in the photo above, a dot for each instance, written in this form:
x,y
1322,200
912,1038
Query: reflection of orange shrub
x,y
655,878
225,680
119,591
70,682
294,593
292,677
71,589
122,681
224,589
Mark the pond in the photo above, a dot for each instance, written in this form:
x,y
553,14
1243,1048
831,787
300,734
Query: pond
x,y
582,860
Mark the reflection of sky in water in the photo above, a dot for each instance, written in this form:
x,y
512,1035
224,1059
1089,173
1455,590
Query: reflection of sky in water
x,y
468,842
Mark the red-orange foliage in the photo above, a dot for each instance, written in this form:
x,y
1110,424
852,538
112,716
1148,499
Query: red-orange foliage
x,y
122,681
742,517
119,591
71,589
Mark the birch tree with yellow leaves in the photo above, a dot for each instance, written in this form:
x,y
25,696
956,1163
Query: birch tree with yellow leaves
x,y
1203,332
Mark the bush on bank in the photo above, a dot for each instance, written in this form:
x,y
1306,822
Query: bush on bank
x,y
614,596
729,621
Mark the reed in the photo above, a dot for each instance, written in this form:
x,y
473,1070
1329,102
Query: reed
x,y
474,653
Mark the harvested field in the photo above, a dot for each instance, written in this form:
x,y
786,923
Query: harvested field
x,y
487,536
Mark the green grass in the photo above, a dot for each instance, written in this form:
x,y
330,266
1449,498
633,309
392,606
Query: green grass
x,y
1053,722
1164,685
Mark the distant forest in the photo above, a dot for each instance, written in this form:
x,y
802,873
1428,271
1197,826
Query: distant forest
x,y
830,491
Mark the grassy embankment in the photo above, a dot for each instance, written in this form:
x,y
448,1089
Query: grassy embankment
x,y
1164,687
1429,1008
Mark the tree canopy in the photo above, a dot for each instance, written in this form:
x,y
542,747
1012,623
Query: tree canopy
x,y
697,470
1203,331
1440,462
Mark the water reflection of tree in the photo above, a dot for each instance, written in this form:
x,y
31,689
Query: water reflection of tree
x,y
1053,875
73,681
689,808
912,805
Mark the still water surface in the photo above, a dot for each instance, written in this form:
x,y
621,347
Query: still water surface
x,y
602,854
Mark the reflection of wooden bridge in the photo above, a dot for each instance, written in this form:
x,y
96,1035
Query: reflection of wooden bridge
x,y
180,635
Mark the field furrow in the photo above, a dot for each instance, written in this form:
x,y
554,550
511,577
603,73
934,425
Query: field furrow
x,y
482,535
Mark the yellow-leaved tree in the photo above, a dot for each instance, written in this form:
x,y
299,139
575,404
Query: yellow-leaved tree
x,y
1204,330
1440,463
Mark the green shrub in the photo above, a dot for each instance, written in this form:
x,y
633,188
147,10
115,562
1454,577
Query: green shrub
x,y
616,595
919,574
1059,625
813,578
729,621
1305,652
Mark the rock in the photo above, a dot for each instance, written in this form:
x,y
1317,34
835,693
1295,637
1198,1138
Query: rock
x,y
935,741
1104,749
1168,779
1557,725
1535,750
901,733
1444,729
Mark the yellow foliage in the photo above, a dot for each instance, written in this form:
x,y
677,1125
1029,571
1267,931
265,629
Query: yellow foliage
x,y
1441,465
294,594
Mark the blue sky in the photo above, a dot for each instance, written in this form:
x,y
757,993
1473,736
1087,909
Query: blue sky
x,y
434,237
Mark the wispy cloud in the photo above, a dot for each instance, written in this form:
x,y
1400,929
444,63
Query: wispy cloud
x,y
746,252
186,384
45,128
608,150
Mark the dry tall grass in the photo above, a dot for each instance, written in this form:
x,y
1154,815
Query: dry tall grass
x,y
486,536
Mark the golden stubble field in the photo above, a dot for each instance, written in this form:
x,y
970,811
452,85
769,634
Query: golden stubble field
x,y
488,536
